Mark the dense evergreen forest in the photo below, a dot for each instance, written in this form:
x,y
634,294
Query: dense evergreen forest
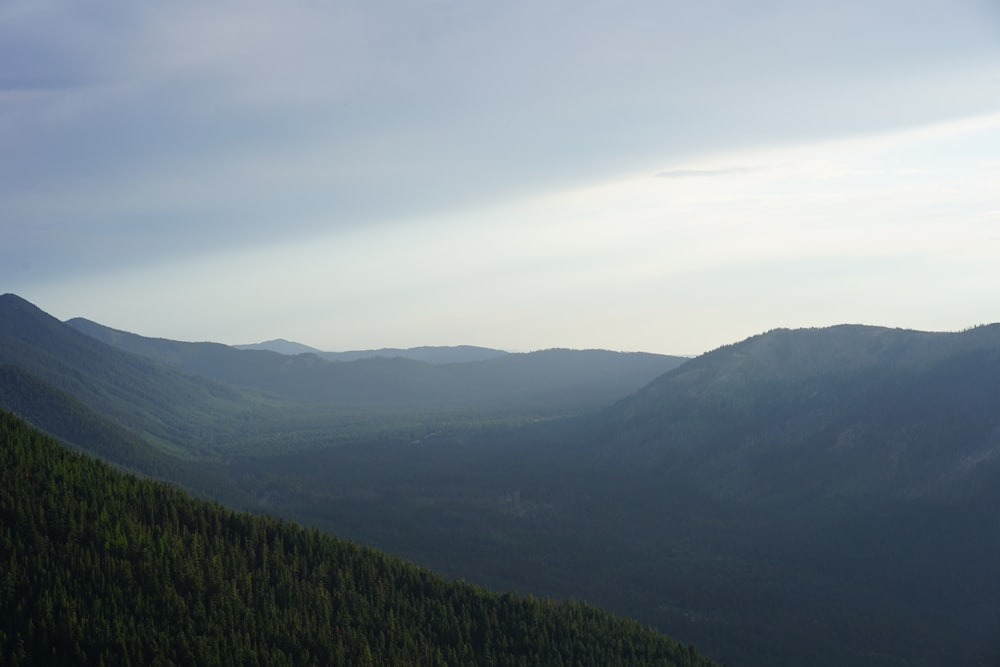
x,y
99,567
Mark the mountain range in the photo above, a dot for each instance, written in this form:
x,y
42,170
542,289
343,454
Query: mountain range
x,y
431,354
556,379
813,496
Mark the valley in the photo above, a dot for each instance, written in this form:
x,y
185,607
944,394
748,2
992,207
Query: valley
x,y
816,496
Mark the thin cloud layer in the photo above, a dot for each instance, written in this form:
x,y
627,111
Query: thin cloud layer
x,y
136,136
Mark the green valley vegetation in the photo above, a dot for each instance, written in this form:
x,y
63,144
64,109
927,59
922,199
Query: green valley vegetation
x,y
98,567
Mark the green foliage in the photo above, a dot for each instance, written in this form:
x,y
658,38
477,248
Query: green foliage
x,y
101,568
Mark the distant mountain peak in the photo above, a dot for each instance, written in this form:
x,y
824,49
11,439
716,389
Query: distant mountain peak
x,y
281,346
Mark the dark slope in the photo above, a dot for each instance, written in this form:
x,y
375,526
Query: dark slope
x,y
821,497
98,568
550,379
844,481
847,410
172,407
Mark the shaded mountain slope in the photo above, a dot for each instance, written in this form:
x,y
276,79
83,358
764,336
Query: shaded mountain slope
x,y
821,497
850,476
857,410
103,568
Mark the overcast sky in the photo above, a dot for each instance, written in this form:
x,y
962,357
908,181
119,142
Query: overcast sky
x,y
631,175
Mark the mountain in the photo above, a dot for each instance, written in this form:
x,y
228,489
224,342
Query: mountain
x,y
453,354
279,345
164,404
860,410
548,379
857,466
210,402
99,567
817,496
430,354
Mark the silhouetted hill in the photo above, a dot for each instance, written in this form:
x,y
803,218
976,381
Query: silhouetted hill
x,y
98,568
551,379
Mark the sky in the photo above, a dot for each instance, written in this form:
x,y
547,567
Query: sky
x,y
631,175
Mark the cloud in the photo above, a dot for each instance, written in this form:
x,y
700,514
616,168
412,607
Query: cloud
x,y
814,233
702,173
148,134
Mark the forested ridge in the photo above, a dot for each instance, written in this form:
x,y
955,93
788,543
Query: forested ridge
x,y
98,567
820,497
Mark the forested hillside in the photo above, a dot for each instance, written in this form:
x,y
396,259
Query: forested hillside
x,y
101,568
849,411
821,497
177,411
817,496
60,414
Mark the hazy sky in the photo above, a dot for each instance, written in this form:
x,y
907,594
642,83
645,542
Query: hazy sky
x,y
661,176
